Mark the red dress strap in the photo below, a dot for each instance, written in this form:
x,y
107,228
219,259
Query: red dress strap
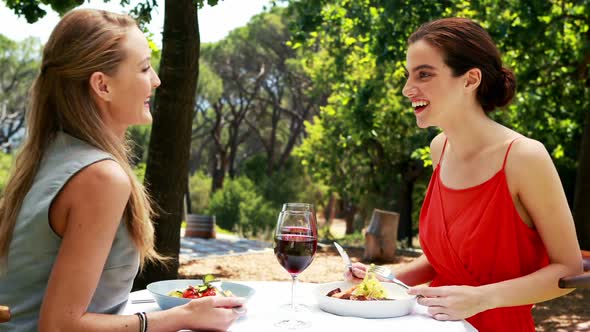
x,y
507,150
442,153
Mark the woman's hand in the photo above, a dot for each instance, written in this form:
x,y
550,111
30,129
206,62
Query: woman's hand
x,y
451,302
359,270
358,273
214,313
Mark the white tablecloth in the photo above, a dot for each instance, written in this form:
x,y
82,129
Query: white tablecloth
x,y
264,308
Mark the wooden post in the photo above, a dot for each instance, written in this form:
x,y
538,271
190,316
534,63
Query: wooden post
x,y
381,236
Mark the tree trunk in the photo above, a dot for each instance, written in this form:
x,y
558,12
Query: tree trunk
x,y
381,237
405,208
168,154
349,217
187,197
330,211
233,149
581,206
218,173
412,169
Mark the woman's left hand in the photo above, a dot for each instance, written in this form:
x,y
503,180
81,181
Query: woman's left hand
x,y
451,302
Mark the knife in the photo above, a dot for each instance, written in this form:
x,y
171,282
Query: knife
x,y
345,258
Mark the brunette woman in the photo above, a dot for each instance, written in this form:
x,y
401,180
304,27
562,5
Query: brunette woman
x,y
495,226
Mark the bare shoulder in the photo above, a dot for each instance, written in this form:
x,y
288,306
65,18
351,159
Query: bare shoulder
x,y
104,178
98,188
436,146
528,159
105,174
526,151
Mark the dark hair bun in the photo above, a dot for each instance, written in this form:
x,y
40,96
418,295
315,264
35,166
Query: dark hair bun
x,y
507,87
498,92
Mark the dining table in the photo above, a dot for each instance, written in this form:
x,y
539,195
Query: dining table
x,y
269,304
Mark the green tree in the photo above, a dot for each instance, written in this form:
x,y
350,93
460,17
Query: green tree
x,y
200,192
241,76
255,98
366,133
19,62
286,99
238,206
357,49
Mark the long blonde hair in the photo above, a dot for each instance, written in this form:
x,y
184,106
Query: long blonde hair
x,y
83,42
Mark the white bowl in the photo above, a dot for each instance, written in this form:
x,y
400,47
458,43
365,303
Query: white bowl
x,y
401,305
161,289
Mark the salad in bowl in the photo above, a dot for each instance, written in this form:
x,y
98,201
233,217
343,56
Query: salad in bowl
x,y
172,293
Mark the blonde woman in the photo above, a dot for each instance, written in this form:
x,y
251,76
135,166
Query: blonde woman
x,y
75,224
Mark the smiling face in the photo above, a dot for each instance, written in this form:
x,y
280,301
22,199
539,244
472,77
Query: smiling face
x,y
431,87
125,95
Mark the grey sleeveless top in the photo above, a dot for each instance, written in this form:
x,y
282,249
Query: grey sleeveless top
x,y
35,245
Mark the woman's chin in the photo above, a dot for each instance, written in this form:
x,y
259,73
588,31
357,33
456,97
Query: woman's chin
x,y
421,123
146,119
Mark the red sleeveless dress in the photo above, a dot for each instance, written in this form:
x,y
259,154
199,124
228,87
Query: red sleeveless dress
x,y
475,236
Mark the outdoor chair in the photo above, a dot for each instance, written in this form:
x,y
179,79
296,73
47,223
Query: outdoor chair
x,y
581,280
4,314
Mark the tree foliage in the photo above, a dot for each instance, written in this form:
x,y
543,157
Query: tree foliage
x,y
253,98
19,62
356,50
33,11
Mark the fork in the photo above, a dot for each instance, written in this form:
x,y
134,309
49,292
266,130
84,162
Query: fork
x,y
143,301
386,273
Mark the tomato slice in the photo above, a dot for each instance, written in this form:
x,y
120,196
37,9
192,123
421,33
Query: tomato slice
x,y
209,292
189,293
194,293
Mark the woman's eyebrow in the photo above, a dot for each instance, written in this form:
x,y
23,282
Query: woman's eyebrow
x,y
147,58
419,67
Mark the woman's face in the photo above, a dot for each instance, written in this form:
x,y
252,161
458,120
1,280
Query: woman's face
x,y
132,84
434,92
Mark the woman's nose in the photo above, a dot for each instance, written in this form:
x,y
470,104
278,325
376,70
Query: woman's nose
x,y
408,90
155,80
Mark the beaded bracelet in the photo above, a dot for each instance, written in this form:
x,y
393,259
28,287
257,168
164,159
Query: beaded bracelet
x,y
143,324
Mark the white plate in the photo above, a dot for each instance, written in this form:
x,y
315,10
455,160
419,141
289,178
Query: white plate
x,y
401,305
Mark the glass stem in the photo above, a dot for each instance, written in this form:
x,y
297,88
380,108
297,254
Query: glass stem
x,y
294,276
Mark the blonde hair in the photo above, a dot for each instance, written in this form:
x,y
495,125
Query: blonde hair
x,y
83,42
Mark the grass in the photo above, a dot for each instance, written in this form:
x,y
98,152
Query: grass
x,y
356,239
218,229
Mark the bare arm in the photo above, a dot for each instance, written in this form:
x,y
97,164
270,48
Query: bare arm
x,y
92,204
539,190
417,272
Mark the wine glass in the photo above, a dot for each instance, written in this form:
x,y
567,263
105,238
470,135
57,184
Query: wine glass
x,y
296,240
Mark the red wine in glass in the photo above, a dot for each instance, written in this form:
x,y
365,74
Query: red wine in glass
x,y
295,252
296,241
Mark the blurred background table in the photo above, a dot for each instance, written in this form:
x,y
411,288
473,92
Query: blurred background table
x,y
265,307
